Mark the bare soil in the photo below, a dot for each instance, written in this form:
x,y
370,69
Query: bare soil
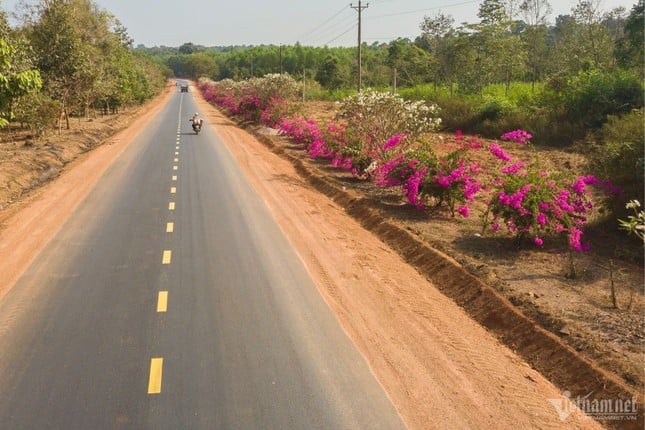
x,y
440,368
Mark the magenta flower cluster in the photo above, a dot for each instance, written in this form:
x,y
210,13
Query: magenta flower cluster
x,y
518,197
519,136
534,203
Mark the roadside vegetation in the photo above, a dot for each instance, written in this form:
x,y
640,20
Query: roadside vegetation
x,y
576,84
70,58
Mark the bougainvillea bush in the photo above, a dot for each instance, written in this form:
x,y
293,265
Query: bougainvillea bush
x,y
529,202
380,136
263,100
426,177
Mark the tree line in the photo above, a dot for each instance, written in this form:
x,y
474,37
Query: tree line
x,y
70,58
577,80
513,41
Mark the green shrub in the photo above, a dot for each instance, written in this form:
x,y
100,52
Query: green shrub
x,y
590,96
39,111
618,156
457,114
494,108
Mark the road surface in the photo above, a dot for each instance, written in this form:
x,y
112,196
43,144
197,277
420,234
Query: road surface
x,y
171,299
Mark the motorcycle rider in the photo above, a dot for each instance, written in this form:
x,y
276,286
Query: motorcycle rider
x,y
197,121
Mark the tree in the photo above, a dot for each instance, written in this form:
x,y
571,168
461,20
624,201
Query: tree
x,y
492,13
201,65
436,38
62,55
330,73
535,14
18,77
499,52
594,41
410,62
629,47
14,84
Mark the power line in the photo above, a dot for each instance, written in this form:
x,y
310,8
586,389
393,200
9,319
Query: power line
x,y
342,34
424,10
323,23
332,30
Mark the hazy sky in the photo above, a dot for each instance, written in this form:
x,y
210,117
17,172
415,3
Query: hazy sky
x,y
320,22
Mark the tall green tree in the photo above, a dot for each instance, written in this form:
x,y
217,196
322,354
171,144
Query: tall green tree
x,y
629,47
330,74
437,35
500,56
535,14
18,77
594,43
13,83
63,57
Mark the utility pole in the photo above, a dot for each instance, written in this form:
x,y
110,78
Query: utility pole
x,y
359,9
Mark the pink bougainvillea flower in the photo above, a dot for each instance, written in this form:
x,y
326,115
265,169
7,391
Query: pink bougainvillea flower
x,y
575,240
464,211
512,169
498,152
519,136
538,241
395,141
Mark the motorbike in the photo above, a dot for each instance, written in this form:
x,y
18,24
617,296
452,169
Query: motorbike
x,y
197,126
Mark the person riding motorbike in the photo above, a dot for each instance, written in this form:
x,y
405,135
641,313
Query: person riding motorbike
x,y
197,122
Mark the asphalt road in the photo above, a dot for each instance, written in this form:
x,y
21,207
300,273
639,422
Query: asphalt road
x,y
170,299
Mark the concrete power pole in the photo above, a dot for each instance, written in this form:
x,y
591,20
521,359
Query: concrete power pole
x,y
359,9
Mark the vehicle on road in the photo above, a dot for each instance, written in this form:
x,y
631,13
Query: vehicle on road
x,y
197,123
184,88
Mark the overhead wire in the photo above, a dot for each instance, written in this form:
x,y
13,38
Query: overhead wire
x,y
329,25
323,23
425,9
342,34
326,29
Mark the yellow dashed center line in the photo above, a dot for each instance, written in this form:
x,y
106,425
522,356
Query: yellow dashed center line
x,y
173,190
170,227
176,160
162,301
156,369
175,167
174,178
171,206
167,256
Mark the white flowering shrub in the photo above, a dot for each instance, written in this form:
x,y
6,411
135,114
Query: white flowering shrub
x,y
376,117
635,224
274,86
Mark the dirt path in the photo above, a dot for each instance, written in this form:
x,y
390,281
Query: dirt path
x,y
440,368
